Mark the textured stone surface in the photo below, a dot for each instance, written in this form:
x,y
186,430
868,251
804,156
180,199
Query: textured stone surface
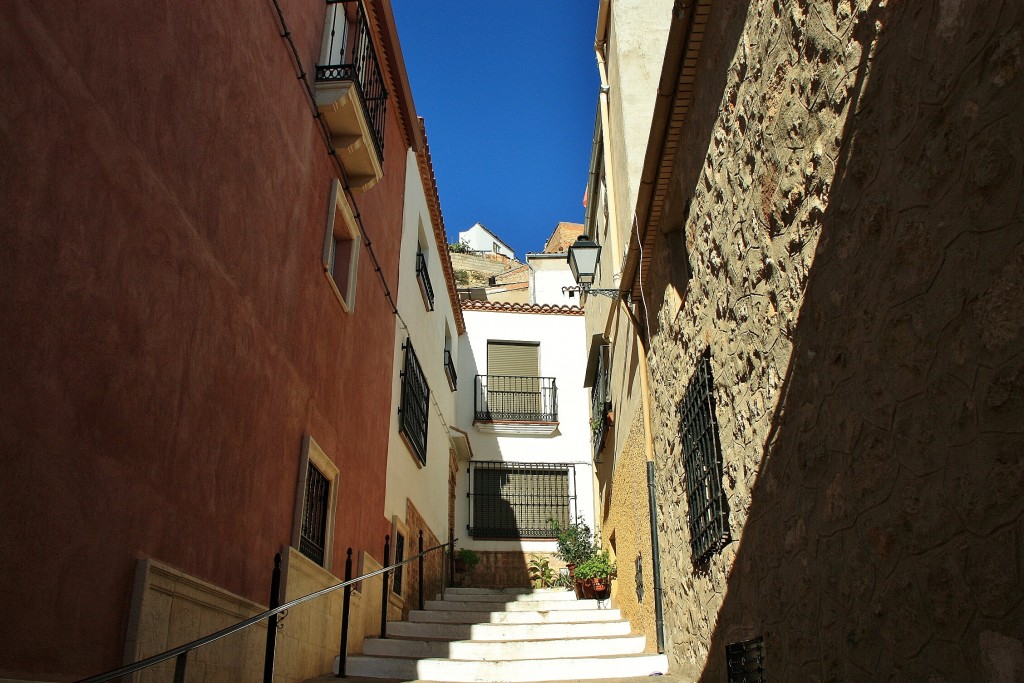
x,y
627,531
856,242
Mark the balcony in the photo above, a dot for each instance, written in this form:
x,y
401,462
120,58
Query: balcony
x,y
515,405
350,93
426,289
449,370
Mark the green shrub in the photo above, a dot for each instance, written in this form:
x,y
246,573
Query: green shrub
x,y
575,542
598,566
470,558
541,573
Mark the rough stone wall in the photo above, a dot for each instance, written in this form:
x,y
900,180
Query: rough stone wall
x,y
626,529
857,251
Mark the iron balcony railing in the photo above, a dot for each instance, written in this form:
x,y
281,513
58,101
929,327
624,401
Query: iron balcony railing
x,y
352,57
449,367
516,399
424,278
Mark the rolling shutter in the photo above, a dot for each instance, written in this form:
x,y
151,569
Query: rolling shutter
x,y
513,359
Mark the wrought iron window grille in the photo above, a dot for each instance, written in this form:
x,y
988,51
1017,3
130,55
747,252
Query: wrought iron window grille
x,y
352,57
745,661
638,566
519,500
414,410
449,367
516,399
600,400
702,460
313,534
424,278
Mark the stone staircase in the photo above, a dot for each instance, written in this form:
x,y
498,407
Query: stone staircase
x,y
478,634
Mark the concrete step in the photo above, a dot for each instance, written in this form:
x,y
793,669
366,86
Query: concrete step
x,y
508,594
514,671
528,631
504,650
562,616
518,605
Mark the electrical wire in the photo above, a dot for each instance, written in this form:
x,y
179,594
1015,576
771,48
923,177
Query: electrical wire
x,y
325,135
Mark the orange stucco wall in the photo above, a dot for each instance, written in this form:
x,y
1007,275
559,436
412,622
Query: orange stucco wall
x,y
167,334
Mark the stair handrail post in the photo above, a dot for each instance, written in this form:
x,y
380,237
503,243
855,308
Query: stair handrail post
x,y
384,589
275,602
180,662
346,604
421,569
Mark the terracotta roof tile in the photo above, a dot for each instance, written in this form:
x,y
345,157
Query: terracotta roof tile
x,y
504,307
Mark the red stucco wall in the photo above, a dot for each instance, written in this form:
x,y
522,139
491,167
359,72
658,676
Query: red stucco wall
x,y
167,334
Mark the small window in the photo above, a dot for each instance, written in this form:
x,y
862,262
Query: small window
x,y
449,361
702,459
426,288
341,248
745,661
414,410
316,500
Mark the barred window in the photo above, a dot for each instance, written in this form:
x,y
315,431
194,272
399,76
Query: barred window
x,y
413,413
518,500
313,538
745,661
702,460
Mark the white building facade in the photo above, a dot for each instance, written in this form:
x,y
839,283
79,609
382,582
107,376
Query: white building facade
x,y
480,239
527,457
424,383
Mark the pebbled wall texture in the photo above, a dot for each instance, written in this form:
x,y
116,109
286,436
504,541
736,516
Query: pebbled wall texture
x,y
855,236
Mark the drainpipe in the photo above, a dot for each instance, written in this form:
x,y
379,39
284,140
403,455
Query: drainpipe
x,y
645,395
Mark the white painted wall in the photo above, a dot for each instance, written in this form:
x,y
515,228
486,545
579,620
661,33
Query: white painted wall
x,y
480,238
562,356
548,277
426,486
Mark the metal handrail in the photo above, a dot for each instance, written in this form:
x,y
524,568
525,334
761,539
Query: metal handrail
x,y
246,623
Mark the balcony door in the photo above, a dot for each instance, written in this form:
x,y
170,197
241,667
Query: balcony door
x,y
513,378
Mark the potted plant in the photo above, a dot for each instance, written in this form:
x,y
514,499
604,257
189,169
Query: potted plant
x,y
465,559
575,546
575,542
596,573
541,573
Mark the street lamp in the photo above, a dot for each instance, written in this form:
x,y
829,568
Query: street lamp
x,y
584,255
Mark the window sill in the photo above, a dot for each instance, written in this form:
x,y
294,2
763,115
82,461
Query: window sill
x,y
337,292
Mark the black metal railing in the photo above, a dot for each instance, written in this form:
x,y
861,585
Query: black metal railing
x,y
180,653
424,278
449,367
352,57
518,499
516,399
414,411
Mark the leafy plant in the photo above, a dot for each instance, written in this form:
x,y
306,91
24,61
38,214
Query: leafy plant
x,y
460,247
563,580
575,541
598,566
468,557
541,573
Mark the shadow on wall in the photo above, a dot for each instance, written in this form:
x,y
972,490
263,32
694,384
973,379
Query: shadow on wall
x,y
884,533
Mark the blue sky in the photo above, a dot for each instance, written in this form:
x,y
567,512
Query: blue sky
x,y
509,92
